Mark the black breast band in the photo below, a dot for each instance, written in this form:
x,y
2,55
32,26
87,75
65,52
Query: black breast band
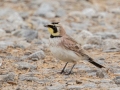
x,y
51,36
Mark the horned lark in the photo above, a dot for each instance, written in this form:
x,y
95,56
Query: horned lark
x,y
64,48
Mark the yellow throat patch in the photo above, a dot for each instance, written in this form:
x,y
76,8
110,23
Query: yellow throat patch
x,y
52,32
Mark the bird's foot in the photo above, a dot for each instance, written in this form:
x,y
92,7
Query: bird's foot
x,y
68,73
62,72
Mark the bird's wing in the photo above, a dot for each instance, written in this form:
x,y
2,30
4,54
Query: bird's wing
x,y
70,44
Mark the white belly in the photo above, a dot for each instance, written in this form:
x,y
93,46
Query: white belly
x,y
64,55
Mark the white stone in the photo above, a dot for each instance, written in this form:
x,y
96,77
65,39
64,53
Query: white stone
x,y
111,45
50,15
46,9
89,12
83,36
2,32
0,62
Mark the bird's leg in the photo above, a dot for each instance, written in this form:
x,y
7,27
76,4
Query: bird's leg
x,y
70,70
63,68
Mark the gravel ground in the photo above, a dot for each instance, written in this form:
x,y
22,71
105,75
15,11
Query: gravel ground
x,y
25,59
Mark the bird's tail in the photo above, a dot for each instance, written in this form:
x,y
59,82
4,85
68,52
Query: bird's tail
x,y
94,63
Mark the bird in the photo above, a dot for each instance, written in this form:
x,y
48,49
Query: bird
x,y
65,48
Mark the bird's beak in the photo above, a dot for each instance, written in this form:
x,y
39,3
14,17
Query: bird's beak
x,y
48,26
55,22
45,25
57,26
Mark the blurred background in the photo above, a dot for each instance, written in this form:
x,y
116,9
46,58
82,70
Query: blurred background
x,y
26,19
24,48
92,15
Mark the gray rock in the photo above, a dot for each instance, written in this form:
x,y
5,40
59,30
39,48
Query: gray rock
x,y
115,10
4,12
25,65
105,81
79,26
39,23
56,86
90,46
22,44
15,1
91,73
7,77
50,15
115,70
82,67
37,42
1,62
60,12
8,57
100,60
96,40
108,35
89,12
37,55
15,18
115,88
15,21
28,78
107,85
73,82
45,41
5,44
75,13
75,87
44,9
18,88
39,20
83,37
100,74
24,15
90,85
29,35
97,73
70,82
7,26
48,71
2,33
111,50
10,20
117,80
111,45
102,14
32,78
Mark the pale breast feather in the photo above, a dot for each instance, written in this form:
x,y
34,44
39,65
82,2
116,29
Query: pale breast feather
x,y
54,41
64,55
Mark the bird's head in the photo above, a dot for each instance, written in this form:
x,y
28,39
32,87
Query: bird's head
x,y
55,29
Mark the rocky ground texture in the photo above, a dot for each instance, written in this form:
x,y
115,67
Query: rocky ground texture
x,y
25,60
